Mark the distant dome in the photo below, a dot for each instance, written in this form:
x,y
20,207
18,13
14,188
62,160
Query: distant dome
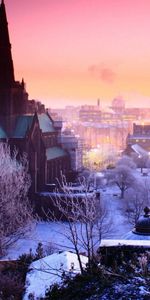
x,y
143,224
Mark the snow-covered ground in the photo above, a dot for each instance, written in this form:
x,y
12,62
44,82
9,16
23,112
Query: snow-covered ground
x,y
115,206
52,234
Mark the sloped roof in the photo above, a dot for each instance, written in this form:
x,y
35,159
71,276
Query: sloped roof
x,y
48,270
139,150
55,152
3,134
24,123
46,125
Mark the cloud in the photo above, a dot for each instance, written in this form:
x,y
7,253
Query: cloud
x,y
102,72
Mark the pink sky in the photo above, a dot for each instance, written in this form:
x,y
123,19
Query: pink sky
x,y
75,51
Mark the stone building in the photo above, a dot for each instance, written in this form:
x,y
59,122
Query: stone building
x,y
25,124
73,144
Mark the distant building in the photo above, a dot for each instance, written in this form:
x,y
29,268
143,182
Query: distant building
x,y
137,113
68,114
140,136
25,124
90,113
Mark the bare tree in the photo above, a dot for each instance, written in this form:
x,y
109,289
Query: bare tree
x,y
148,162
15,211
146,194
123,177
88,176
126,161
134,205
85,216
136,199
141,160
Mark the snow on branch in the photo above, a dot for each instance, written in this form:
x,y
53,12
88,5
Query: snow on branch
x,y
15,210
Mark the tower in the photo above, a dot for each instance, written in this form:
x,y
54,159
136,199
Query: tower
x,y
13,96
6,65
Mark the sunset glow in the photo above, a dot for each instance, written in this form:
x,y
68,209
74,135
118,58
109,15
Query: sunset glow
x,y
72,52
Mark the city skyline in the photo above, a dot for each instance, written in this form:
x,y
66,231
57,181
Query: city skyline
x,y
73,52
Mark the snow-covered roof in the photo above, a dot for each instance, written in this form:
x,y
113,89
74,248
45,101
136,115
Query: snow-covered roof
x,y
48,270
133,236
138,137
139,150
137,242
69,194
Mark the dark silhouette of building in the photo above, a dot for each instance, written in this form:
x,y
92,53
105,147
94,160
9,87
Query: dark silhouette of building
x,y
25,124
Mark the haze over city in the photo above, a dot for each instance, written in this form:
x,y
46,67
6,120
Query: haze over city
x,y
74,150
73,52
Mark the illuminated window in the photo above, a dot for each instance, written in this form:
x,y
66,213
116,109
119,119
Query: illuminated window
x,y
137,141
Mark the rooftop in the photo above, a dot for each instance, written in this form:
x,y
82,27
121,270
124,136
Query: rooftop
x,y
45,123
124,242
24,123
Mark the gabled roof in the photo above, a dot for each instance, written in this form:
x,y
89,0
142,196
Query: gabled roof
x,y
45,123
55,152
23,123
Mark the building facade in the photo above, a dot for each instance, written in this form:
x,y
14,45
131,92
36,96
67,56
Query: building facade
x,y
74,146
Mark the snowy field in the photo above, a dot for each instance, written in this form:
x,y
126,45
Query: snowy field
x,y
52,234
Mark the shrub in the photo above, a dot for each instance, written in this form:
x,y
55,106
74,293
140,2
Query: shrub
x,y
11,287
